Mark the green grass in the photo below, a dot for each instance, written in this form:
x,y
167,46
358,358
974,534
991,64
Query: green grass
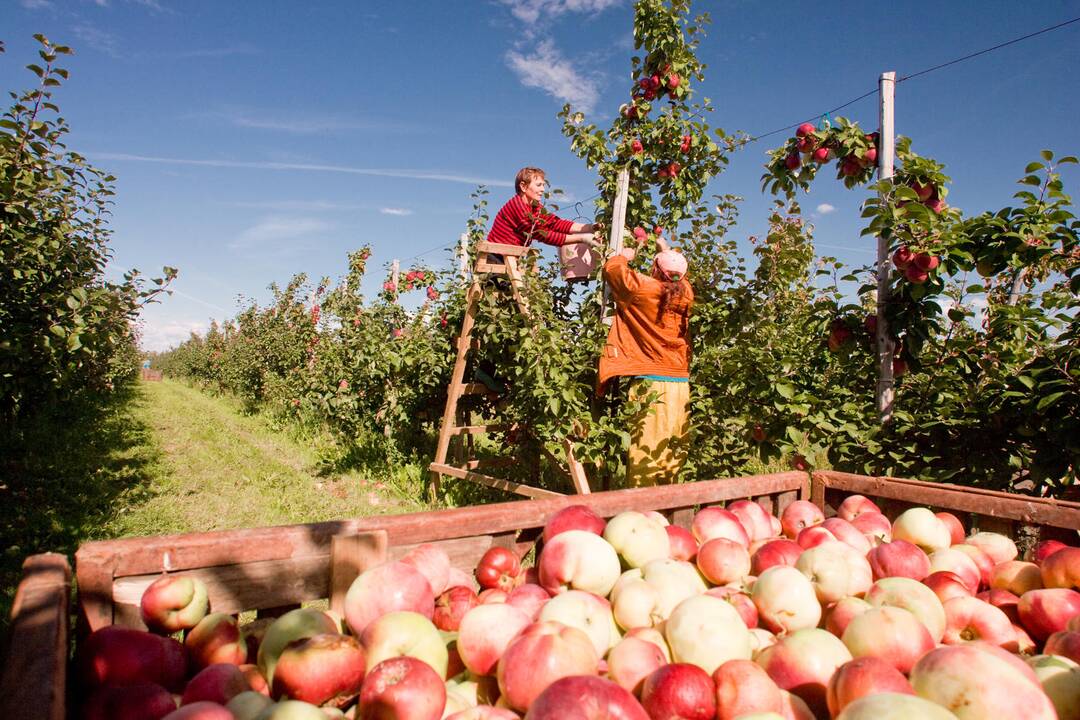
x,y
163,457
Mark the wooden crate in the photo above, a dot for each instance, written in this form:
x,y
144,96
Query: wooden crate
x,y
275,569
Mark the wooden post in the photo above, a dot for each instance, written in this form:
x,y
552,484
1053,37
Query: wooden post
x,y
885,345
615,233
395,273
463,257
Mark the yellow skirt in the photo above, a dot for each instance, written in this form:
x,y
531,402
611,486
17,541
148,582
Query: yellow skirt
x,y
658,441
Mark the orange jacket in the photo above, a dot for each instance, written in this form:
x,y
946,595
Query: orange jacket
x,y
637,343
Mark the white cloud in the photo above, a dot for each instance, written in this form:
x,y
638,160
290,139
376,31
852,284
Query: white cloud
x,y
295,205
439,175
308,123
98,39
825,209
395,211
532,11
35,4
274,230
158,336
548,70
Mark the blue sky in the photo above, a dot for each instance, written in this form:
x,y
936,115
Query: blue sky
x,y
254,140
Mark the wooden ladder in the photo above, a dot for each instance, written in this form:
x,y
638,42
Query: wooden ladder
x,y
487,263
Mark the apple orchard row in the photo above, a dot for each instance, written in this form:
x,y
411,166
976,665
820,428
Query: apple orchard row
x,y
744,615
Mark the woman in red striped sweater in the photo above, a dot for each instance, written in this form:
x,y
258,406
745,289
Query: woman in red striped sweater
x,y
523,218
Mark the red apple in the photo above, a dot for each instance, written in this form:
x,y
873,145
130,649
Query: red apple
x,y
861,677
682,543
915,275
870,156
321,670
114,655
742,603
855,505
803,663
958,562
902,257
1062,569
804,130
485,632
580,560
754,518
402,688
813,536
842,612
499,568
541,654
742,688
716,522
981,681
968,619
956,528
1065,643
898,558
218,683
1003,600
947,585
798,515
529,598
452,605
936,206
999,547
586,697
927,263
792,161
577,517
722,561
679,691
1045,612
216,639
386,588
981,559
850,167
636,147
433,563
1044,549
922,191
255,679
847,533
673,81
785,600
821,155
889,633
484,712
877,528
174,602
774,552
640,233
912,596
1016,576
133,702
632,660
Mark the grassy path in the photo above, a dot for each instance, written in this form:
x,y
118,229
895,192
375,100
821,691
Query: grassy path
x,y
166,458
219,469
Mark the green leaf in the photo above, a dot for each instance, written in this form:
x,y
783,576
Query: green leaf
x,y
1048,401
785,390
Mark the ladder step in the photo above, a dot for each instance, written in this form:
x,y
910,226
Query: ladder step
x,y
477,429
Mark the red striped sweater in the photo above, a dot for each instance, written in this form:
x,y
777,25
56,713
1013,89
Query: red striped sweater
x,y
519,224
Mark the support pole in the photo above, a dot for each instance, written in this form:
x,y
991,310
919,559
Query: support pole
x,y
395,272
615,234
885,345
463,257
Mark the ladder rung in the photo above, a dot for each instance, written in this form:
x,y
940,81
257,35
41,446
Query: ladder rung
x,y
477,429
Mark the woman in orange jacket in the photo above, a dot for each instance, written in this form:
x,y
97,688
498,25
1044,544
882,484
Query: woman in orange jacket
x,y
649,342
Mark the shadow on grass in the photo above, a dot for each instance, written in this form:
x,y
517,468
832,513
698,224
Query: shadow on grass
x,y
62,475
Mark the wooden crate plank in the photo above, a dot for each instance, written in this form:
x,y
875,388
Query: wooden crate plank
x,y
34,681
1038,511
94,575
142,556
351,555
497,483
268,584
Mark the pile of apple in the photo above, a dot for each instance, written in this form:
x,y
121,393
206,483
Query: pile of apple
x,y
810,146
915,266
743,615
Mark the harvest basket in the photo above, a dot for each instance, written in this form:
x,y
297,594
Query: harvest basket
x,y
272,570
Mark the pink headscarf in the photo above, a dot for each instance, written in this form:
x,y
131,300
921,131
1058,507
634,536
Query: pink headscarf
x,y
672,264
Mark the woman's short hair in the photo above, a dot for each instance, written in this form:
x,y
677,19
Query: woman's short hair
x,y
526,175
